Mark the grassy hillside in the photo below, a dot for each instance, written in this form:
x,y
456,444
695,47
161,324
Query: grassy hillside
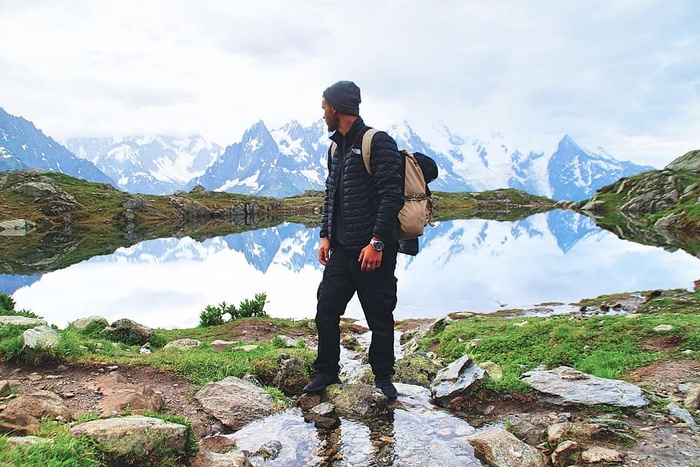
x,y
659,207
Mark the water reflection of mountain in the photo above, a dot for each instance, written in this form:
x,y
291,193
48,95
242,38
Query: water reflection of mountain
x,y
569,228
294,245
9,283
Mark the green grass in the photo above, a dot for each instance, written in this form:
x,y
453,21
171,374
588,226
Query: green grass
x,y
57,448
205,364
504,205
608,347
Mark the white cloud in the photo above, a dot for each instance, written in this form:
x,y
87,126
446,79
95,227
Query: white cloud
x,y
619,74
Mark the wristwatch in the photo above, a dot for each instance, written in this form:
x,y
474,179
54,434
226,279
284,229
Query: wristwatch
x,y
378,245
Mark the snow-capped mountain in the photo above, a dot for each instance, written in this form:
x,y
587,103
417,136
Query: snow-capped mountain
x,y
573,170
569,172
148,164
292,159
24,146
289,160
276,163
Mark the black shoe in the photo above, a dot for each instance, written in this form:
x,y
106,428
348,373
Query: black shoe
x,y
384,383
320,381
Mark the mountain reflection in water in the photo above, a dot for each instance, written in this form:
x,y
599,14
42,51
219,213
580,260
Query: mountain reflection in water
x,y
464,265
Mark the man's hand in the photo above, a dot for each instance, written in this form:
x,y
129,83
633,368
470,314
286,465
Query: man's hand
x,y
370,259
324,251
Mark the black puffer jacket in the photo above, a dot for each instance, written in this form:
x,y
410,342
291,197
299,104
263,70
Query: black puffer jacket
x,y
370,204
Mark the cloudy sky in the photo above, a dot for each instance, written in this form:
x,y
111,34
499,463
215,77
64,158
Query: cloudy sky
x,y
621,74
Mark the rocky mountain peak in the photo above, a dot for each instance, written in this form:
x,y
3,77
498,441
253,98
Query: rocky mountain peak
x,y
688,161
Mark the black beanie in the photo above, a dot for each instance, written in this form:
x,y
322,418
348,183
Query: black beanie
x,y
344,96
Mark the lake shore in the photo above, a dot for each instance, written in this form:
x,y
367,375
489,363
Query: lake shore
x,y
656,346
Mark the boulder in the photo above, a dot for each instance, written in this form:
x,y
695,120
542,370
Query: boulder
x,y
40,337
580,432
128,331
183,344
323,416
121,396
135,437
567,386
21,321
23,413
454,380
235,402
499,448
91,321
417,368
599,455
692,398
688,161
358,401
566,453
290,377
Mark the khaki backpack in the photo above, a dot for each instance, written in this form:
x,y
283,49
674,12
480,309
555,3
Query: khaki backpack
x,y
418,204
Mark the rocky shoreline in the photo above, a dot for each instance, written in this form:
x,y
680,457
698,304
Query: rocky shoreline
x,y
569,417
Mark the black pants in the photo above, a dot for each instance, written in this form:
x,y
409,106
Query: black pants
x,y
376,291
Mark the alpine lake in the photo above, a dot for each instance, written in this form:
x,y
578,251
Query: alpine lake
x,y
542,263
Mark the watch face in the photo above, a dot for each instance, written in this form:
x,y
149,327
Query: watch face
x,y
377,244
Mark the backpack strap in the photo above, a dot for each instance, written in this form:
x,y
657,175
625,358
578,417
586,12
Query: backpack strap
x,y
366,147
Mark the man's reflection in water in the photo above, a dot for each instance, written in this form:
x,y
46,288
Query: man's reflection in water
x,y
333,452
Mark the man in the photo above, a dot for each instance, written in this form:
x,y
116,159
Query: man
x,y
359,239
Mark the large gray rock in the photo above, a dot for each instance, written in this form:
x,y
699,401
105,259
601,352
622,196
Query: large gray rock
x,y
21,321
235,402
16,227
358,401
183,344
499,448
128,331
454,380
40,337
82,323
567,386
688,161
134,437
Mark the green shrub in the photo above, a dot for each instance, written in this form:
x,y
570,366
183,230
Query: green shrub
x,y
214,315
7,308
255,307
6,303
211,316
158,340
94,328
10,347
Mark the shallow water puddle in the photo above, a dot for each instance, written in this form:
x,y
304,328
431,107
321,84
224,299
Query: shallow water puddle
x,y
416,433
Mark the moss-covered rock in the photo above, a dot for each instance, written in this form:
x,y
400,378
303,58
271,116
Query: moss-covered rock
x,y
417,368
